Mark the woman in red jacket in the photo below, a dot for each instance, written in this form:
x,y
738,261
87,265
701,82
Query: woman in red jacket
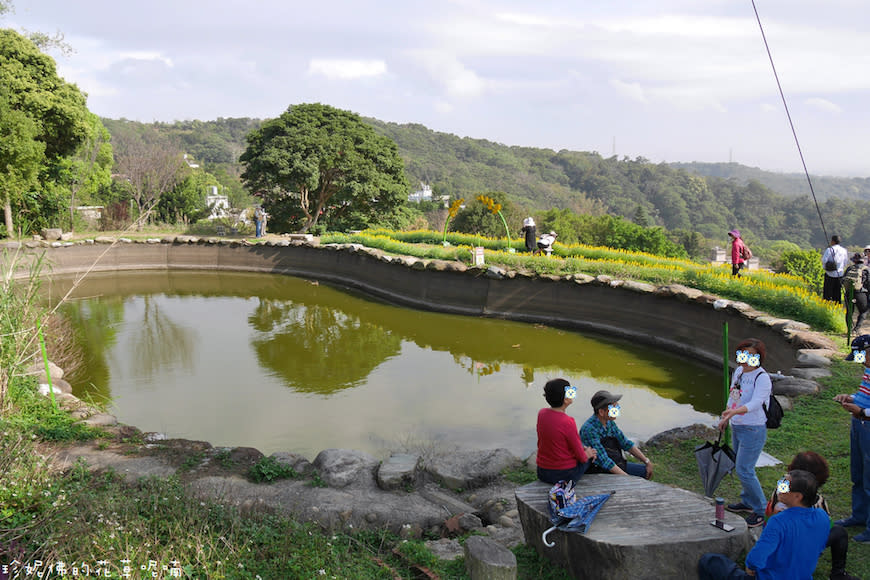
x,y
561,454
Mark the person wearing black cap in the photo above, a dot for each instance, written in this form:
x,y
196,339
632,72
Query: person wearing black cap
x,y
561,455
859,443
602,434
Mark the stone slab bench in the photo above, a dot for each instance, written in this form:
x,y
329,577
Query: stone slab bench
x,y
645,530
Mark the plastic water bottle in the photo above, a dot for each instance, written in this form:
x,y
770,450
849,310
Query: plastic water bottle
x,y
720,511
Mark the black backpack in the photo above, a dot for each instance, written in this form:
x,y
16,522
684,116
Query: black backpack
x,y
772,410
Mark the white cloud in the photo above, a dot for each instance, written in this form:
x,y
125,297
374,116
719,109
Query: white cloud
x,y
342,69
631,91
457,79
146,56
443,107
824,105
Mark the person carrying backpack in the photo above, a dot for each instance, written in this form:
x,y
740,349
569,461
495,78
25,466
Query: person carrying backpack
x,y
740,253
856,283
749,393
834,261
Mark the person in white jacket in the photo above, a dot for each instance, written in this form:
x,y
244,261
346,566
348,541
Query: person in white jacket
x,y
835,258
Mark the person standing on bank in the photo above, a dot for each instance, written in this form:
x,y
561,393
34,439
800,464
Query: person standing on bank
x,y
258,221
740,253
859,445
834,260
856,279
561,455
602,434
530,232
750,389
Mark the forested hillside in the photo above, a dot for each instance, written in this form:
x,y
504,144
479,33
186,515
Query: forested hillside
x,y
790,184
535,179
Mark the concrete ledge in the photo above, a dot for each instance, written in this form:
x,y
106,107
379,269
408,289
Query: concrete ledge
x,y
645,530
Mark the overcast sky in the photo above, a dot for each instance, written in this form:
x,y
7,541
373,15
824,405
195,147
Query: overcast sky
x,y
668,80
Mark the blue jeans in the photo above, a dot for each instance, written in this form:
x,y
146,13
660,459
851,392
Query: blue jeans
x,y
719,567
554,476
636,469
859,439
748,441
258,228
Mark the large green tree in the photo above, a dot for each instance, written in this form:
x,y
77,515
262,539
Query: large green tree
x,y
317,162
56,109
21,155
88,170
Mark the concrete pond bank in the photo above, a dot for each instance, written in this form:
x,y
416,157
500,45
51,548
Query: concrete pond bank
x,y
440,493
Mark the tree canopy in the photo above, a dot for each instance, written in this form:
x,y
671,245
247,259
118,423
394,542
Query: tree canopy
x,y
45,109
317,162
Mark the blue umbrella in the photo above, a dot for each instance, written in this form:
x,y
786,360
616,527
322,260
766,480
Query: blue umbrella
x,y
576,516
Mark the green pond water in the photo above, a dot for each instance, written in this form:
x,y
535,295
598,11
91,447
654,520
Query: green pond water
x,y
287,364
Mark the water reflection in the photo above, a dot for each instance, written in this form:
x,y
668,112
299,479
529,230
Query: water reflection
x,y
331,350
280,363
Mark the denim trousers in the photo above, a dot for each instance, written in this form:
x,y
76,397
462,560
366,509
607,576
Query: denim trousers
x,y
554,476
748,442
859,439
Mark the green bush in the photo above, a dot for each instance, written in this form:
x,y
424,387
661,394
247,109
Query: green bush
x,y
268,469
806,265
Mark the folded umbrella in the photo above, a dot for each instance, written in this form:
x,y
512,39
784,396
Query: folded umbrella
x,y
570,513
715,461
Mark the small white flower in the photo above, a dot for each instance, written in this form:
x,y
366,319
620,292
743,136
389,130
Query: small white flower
x,y
322,572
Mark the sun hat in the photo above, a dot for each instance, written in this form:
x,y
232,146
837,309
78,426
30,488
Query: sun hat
x,y
735,233
857,257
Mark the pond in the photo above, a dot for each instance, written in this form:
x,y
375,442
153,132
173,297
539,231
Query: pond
x,y
287,364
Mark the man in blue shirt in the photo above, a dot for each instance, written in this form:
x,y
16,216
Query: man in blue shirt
x,y
600,432
791,542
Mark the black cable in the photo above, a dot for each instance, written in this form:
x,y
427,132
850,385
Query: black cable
x,y
787,114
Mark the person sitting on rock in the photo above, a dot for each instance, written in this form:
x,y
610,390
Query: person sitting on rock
x,y
602,434
561,455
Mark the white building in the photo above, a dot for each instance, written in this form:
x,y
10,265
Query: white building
x,y
219,204
422,194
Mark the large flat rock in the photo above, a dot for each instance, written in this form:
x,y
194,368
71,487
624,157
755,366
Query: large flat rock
x,y
645,530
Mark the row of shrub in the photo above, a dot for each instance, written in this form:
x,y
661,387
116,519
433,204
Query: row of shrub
x,y
779,294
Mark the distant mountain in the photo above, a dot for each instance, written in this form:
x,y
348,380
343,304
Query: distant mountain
x,y
708,198
789,184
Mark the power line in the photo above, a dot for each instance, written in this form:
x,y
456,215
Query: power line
x,y
787,114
